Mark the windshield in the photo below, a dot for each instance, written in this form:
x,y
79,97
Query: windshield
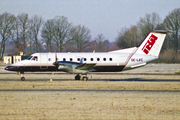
x,y
29,57
35,58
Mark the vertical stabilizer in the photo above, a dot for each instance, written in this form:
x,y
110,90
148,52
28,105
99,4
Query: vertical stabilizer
x,y
149,49
153,43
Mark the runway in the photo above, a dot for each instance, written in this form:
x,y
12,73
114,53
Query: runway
x,y
128,79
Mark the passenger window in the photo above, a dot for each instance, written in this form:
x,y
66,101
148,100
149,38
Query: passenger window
x,y
64,59
35,58
78,59
110,59
104,59
49,59
71,59
91,59
98,59
85,59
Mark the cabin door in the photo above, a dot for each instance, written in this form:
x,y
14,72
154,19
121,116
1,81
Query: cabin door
x,y
44,61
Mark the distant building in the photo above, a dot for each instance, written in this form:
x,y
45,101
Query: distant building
x,y
13,59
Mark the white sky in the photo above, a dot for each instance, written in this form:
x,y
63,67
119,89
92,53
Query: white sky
x,y
100,16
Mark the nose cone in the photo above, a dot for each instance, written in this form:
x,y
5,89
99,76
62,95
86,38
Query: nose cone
x,y
6,68
11,68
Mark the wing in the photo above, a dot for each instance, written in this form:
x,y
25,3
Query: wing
x,y
85,66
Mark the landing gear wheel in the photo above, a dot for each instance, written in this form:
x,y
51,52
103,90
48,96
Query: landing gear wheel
x,y
22,78
77,77
85,78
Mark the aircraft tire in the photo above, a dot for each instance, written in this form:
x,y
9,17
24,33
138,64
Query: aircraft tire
x,y
85,78
77,77
22,78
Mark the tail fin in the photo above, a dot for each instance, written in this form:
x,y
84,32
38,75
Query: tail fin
x,y
153,43
149,49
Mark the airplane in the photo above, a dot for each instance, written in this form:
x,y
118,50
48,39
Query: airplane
x,y
82,63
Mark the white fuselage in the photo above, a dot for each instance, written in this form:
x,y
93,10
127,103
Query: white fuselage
x,y
104,62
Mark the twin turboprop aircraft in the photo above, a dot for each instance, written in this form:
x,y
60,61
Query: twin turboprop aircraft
x,y
83,63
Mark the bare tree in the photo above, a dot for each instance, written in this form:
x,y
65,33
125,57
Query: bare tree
x,y
61,31
100,40
47,34
23,22
6,26
128,37
16,36
19,34
172,22
81,36
35,24
148,23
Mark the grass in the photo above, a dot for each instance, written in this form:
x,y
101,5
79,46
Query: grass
x,y
89,105
35,100
94,104
89,85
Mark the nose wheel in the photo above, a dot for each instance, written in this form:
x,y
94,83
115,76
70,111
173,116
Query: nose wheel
x,y
22,76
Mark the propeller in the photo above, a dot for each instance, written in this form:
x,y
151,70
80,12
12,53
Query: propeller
x,y
81,61
56,62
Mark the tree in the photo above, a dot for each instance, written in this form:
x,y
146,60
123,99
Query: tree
x,y
47,34
35,24
61,30
81,36
100,39
23,26
172,22
148,23
16,36
20,34
6,26
128,37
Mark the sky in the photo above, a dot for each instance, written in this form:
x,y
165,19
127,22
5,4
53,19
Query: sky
x,y
105,17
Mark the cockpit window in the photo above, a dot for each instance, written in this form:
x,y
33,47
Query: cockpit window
x,y
29,57
35,58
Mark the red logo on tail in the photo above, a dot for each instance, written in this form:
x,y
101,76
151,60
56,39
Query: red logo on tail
x,y
149,44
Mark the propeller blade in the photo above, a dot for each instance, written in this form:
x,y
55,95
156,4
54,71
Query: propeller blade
x,y
56,60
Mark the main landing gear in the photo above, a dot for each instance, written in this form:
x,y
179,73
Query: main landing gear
x,y
78,77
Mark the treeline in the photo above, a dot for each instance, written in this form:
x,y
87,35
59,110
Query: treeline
x,y
23,34
26,34
134,35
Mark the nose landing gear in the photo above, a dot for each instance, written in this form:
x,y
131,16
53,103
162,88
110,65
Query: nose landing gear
x,y
22,76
